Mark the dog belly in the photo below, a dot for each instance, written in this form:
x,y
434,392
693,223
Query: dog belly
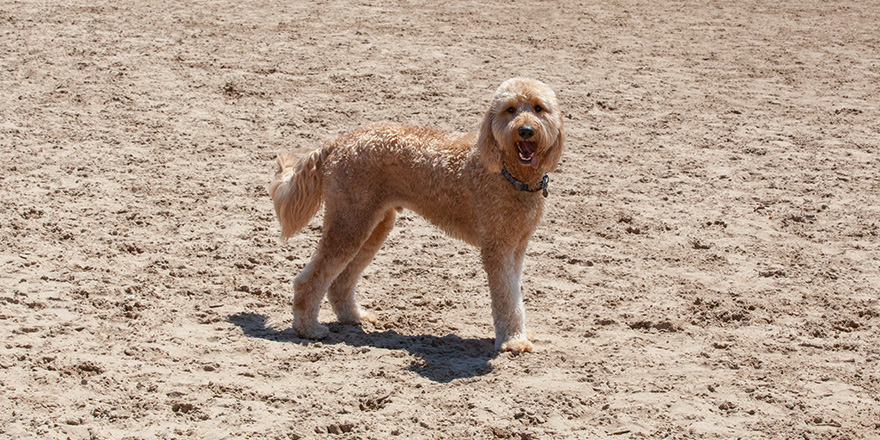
x,y
453,219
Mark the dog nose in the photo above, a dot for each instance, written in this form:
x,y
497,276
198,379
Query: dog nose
x,y
526,131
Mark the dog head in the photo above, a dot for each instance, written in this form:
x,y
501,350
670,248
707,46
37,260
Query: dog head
x,y
523,128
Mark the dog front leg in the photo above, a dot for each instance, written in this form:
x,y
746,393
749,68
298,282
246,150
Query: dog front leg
x,y
504,270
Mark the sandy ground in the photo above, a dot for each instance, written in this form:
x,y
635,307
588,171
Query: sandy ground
x,y
708,266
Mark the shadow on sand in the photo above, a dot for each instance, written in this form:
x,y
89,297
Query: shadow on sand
x,y
440,359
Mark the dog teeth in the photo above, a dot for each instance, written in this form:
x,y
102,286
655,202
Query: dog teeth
x,y
526,151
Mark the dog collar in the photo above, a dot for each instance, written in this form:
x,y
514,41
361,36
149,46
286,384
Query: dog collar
x,y
525,187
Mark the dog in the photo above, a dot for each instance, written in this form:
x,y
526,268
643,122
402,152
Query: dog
x,y
485,188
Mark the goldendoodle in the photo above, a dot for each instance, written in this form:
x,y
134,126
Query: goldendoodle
x,y
486,188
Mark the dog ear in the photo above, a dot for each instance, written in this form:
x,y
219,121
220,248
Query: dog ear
x,y
554,153
487,147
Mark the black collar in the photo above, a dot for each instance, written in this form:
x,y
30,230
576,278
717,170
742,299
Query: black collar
x,y
525,187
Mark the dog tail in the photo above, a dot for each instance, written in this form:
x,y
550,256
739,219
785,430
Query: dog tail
x,y
296,190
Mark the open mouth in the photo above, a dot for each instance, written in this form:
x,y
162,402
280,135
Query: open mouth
x,y
526,151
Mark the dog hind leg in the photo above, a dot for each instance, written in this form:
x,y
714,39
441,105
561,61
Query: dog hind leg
x,y
342,290
345,233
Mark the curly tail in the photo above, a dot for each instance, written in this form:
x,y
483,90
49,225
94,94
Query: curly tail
x,y
296,190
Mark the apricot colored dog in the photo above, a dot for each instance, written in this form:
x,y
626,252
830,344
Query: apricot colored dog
x,y
486,188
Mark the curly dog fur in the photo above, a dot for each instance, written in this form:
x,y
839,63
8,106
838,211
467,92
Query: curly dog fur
x,y
455,180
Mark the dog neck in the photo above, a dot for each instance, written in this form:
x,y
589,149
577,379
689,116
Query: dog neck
x,y
540,186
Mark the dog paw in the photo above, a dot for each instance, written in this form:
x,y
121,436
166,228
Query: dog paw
x,y
517,345
358,317
368,317
312,331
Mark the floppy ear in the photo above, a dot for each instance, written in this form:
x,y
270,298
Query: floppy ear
x,y
487,147
554,153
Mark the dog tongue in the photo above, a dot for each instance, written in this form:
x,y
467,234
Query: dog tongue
x,y
530,148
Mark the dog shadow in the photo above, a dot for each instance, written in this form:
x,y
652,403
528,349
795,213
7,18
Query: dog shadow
x,y
438,358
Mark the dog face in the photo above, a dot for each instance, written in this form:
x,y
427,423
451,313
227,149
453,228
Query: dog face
x,y
523,126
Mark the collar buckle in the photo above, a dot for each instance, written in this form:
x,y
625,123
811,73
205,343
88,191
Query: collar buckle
x,y
541,186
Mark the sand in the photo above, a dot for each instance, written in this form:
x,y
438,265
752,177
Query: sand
x,y
708,265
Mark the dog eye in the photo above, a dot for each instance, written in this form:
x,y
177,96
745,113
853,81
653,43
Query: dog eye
x,y
511,110
538,109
